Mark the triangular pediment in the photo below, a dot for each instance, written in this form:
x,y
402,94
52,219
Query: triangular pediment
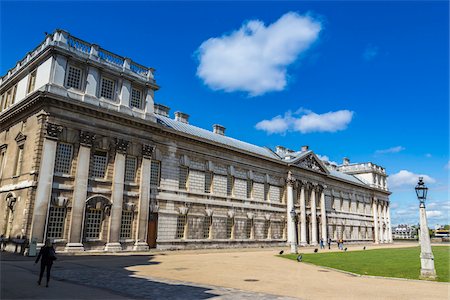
x,y
20,137
311,162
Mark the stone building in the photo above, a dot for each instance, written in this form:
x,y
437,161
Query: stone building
x,y
88,159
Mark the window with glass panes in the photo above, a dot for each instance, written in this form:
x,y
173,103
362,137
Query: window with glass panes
x,y
31,82
130,168
248,228
74,77
93,223
207,221
266,191
55,225
230,225
208,181
63,160
155,172
126,225
136,98
249,188
98,166
266,229
19,161
230,185
181,223
107,88
183,178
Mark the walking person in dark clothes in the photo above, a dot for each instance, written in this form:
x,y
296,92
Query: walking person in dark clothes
x,y
329,243
48,256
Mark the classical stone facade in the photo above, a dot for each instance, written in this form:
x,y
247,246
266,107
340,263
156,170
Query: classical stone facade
x,y
89,160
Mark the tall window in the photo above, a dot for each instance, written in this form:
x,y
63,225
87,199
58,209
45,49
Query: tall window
x,y
73,78
107,88
230,227
266,191
130,168
155,173
248,228
2,160
249,188
3,102
13,94
99,162
126,225
230,185
19,161
56,218
136,98
207,222
208,181
183,178
266,229
63,160
31,82
93,223
181,224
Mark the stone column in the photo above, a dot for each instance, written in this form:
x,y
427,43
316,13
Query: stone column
x,y
80,193
45,181
302,214
375,219
113,243
323,215
390,226
149,104
144,199
313,215
290,205
380,223
427,269
385,221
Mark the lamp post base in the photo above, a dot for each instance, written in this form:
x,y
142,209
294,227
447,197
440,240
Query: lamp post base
x,y
294,248
429,274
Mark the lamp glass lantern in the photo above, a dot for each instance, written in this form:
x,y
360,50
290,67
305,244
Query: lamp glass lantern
x,y
421,190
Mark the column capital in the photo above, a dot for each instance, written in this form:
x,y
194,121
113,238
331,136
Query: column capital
x,y
122,146
87,138
147,151
290,180
52,131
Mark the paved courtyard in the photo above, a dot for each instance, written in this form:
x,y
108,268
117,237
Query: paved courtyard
x,y
219,274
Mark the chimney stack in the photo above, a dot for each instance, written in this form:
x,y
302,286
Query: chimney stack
x,y
280,150
181,117
305,148
346,161
161,110
219,129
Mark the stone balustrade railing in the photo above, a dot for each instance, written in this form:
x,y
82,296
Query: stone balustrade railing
x,y
63,39
362,167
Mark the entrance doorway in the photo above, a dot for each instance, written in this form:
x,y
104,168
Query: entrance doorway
x,y
152,230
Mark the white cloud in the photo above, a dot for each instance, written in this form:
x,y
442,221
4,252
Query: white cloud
x,y
391,150
255,58
428,155
407,178
326,158
434,213
447,166
370,52
306,121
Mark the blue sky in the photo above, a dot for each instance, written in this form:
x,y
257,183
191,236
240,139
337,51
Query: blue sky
x,y
366,80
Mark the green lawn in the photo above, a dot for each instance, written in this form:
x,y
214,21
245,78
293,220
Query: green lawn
x,y
399,262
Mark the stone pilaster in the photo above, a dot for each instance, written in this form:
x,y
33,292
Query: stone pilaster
x,y
80,193
313,215
375,220
144,200
380,223
45,181
389,224
323,215
302,214
117,197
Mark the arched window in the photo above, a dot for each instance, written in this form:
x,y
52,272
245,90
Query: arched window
x,y
97,207
56,217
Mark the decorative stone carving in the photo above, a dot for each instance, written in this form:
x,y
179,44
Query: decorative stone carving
x,y
53,130
99,202
250,215
183,210
60,201
20,138
122,146
231,213
290,180
11,201
267,216
209,212
129,206
147,150
87,138
309,162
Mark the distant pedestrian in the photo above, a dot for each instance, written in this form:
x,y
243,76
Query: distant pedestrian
x,y
340,242
2,242
322,246
329,243
48,256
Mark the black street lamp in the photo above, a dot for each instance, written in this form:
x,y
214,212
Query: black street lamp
x,y
421,191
